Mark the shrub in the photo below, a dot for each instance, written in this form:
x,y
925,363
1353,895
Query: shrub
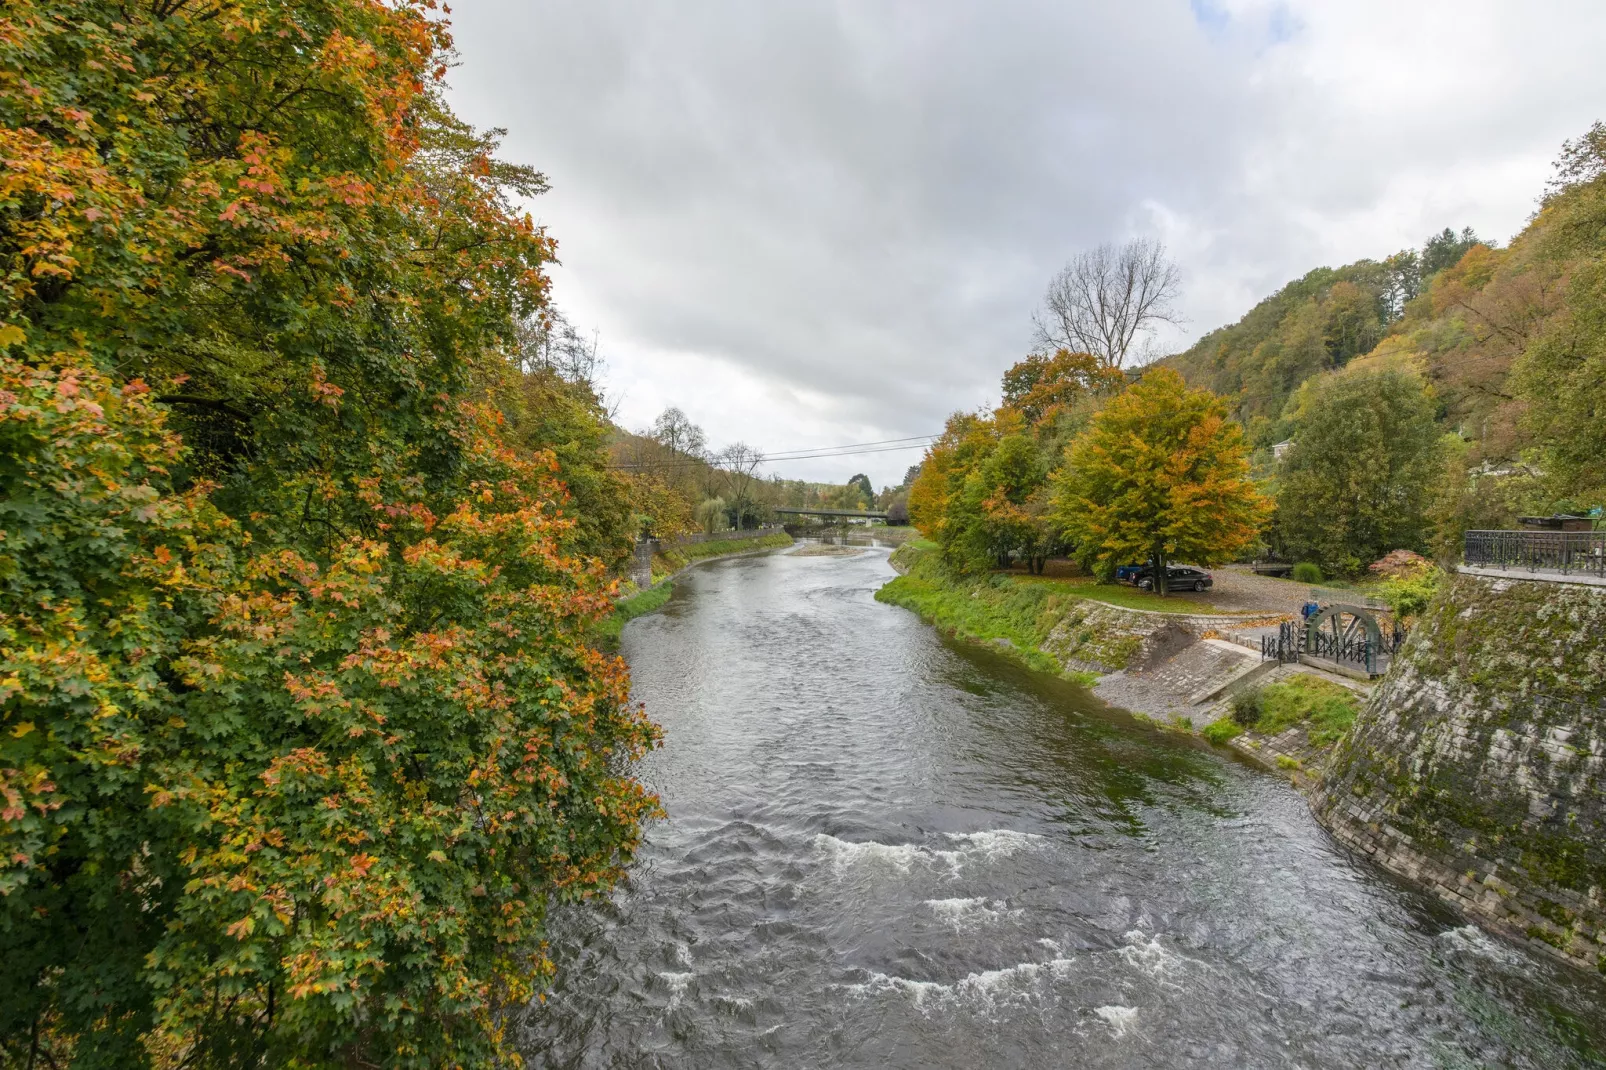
x,y
1222,730
1409,595
1307,572
1246,706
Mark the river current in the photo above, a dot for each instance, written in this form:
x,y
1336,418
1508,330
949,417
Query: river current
x,y
886,850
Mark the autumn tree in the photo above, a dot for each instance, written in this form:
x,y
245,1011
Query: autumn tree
x,y
1000,513
302,729
1161,475
1358,481
1561,375
936,496
1040,386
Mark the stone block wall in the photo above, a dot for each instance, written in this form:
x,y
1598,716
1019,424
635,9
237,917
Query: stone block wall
x,y
1478,768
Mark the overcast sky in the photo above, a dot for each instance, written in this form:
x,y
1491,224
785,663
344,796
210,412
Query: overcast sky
x,y
809,222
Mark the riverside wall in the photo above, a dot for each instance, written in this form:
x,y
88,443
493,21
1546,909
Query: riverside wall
x,y
1477,770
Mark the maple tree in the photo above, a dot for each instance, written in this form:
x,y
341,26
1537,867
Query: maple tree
x,y
1161,475
302,727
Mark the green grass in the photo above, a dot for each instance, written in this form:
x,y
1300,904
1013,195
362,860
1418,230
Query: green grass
x,y
1222,730
1325,709
981,614
673,560
984,612
628,609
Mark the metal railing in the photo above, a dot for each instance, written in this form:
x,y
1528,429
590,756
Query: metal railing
x,y
1292,641
1538,551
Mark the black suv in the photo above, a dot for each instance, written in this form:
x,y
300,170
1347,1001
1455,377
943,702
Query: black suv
x,y
1177,578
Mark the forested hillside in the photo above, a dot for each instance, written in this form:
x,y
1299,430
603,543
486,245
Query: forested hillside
x,y
1511,343
1384,405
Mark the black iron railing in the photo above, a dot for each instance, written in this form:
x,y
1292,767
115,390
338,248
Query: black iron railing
x,y
1538,551
1359,651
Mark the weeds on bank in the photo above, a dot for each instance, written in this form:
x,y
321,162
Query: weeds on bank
x,y
1325,709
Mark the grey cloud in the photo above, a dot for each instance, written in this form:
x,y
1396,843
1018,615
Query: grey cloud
x,y
859,202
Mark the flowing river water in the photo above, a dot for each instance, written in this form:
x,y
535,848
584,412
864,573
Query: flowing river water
x,y
885,850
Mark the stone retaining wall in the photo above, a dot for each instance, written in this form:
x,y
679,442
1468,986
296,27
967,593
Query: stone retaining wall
x,y
1478,768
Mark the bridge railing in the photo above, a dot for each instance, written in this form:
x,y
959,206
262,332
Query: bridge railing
x,y
1538,551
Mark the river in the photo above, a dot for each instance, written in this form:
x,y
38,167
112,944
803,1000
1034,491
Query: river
x,y
887,850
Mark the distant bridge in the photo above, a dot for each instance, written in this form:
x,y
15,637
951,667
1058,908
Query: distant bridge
x,y
845,513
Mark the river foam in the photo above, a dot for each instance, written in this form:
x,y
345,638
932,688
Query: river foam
x,y
987,846
966,914
1118,1018
985,989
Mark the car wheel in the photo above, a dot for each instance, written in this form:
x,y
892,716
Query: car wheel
x,y
1199,585
1144,585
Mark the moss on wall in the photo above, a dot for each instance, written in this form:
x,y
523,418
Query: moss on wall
x,y
1479,766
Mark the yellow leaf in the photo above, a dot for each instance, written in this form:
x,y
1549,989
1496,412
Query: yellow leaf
x,y
26,726
437,856
10,335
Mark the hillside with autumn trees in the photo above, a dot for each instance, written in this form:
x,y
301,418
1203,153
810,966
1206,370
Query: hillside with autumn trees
x,y
304,534
1384,405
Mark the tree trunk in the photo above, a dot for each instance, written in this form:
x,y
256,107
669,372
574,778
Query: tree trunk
x,y
1159,573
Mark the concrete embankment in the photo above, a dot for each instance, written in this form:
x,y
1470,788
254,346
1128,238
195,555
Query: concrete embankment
x,y
1478,768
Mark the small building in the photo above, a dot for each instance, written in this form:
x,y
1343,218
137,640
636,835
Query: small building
x,y
1559,522
1281,448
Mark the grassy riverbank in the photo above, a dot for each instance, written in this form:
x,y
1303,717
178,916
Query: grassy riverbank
x,y
667,563
1065,625
670,561
1012,614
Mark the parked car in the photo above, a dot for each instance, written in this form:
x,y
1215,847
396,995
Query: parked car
x,y
1177,578
1129,573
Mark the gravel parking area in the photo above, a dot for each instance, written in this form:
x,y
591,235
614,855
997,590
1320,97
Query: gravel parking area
x,y
1238,590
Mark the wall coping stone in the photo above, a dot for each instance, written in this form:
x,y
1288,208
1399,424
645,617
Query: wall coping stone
x,y
1582,579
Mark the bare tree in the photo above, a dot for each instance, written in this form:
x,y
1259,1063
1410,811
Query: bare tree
x,y
1105,298
739,462
674,430
551,342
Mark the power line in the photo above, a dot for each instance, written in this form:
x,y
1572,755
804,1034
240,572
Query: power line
x,y
696,462
854,445
893,445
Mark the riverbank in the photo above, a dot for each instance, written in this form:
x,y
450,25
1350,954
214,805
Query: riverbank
x,y
668,563
1174,662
